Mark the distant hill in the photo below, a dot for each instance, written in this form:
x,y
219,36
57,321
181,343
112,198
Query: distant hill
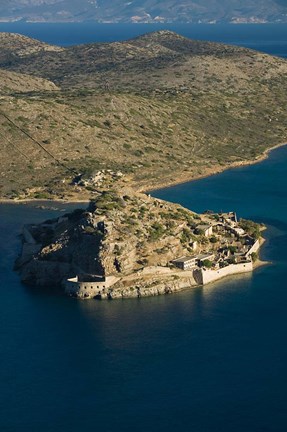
x,y
205,11
160,107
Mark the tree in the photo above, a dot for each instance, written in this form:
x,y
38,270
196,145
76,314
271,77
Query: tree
x,y
213,239
207,263
231,260
232,249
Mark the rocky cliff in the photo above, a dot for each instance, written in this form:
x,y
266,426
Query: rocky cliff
x,y
127,235
128,244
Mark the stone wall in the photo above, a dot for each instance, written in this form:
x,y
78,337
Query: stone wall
x,y
254,248
110,289
28,238
205,276
28,250
87,289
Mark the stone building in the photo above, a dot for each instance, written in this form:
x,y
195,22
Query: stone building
x,y
206,229
185,263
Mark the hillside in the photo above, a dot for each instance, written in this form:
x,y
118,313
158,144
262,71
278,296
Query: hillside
x,y
12,81
161,108
15,46
128,244
145,10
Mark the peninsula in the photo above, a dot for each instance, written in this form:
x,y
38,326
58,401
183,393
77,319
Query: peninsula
x,y
160,108
128,244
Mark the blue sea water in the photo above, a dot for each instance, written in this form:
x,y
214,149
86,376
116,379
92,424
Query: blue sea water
x,y
269,38
209,359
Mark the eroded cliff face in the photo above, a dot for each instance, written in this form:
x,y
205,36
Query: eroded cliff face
x,y
120,233
148,287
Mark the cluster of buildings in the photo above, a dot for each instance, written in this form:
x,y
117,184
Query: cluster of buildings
x,y
227,251
232,245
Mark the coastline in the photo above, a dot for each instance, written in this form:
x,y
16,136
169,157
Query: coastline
x,y
213,171
161,184
259,263
41,201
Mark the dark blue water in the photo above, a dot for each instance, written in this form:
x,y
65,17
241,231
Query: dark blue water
x,y
209,359
270,38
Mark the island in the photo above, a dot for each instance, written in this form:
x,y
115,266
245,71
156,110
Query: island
x,y
129,244
105,122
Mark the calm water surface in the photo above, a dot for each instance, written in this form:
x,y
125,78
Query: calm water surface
x,y
210,359
270,38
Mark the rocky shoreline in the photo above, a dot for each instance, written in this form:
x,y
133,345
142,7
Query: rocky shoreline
x,y
161,183
128,244
186,177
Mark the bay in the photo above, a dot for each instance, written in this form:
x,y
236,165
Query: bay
x,y
207,359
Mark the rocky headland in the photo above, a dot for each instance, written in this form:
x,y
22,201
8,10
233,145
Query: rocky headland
x,y
129,244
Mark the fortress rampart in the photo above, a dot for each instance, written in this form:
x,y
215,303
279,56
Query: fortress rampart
x,y
205,276
254,248
88,289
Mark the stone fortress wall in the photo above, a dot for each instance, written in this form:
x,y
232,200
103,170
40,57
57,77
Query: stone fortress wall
x,y
254,248
204,276
84,289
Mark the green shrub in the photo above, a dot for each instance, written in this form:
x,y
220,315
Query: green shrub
x,y
207,263
213,239
138,153
252,228
156,231
232,249
186,235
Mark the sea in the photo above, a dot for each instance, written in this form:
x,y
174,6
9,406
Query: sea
x,y
208,359
270,38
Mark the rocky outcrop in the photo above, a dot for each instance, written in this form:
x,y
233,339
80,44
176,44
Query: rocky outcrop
x,y
43,273
128,244
142,289
120,234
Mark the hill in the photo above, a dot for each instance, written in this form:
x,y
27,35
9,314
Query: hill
x,y
160,107
128,244
145,10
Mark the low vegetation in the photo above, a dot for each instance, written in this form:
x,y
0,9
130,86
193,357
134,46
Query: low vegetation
x,y
160,108
252,228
